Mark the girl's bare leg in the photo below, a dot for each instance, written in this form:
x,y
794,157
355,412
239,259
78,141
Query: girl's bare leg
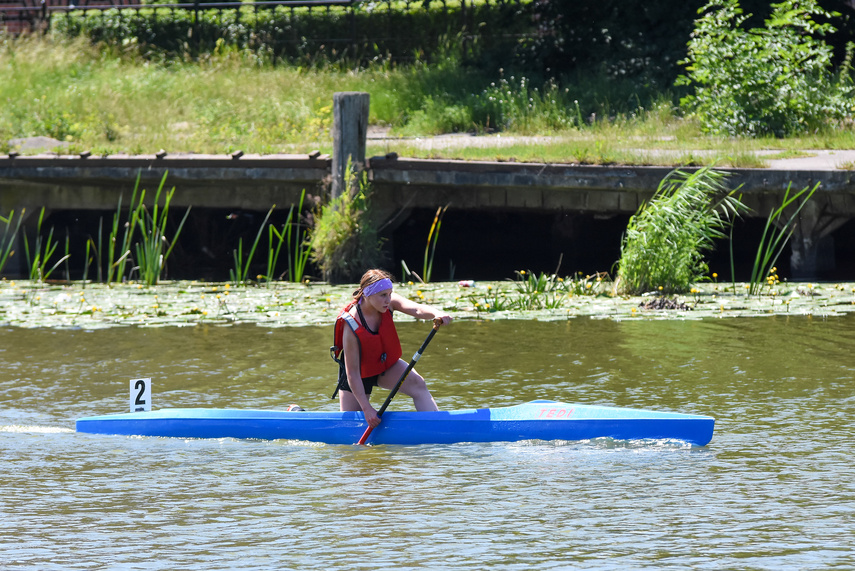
x,y
414,386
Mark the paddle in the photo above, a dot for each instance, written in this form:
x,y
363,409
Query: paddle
x,y
394,391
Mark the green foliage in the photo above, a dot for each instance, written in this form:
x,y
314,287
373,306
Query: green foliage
x,y
118,252
7,240
296,236
365,31
776,80
240,273
665,240
344,240
544,291
777,232
153,250
532,292
519,105
43,250
430,245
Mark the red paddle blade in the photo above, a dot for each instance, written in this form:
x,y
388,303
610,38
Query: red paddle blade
x,y
365,436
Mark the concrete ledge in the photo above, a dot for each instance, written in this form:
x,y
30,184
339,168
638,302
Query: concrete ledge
x,y
251,182
256,182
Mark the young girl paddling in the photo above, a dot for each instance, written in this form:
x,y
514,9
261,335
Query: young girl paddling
x,y
372,350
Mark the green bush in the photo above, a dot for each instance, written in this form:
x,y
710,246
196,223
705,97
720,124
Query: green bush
x,y
776,80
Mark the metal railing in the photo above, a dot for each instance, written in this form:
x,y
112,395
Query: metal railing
x,y
285,28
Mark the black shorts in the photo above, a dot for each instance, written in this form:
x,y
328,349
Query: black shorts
x,y
369,383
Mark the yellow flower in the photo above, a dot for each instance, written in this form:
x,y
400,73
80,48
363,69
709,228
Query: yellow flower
x,y
714,275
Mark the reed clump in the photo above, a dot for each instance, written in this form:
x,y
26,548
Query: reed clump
x,y
665,241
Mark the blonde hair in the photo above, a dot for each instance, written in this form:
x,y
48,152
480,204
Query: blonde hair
x,y
368,278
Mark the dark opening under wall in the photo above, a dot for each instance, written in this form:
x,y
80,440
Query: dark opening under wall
x,y
477,245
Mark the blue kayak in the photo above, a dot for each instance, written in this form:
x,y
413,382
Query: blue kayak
x,y
536,420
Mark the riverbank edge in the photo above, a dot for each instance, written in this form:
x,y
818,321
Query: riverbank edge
x,y
87,306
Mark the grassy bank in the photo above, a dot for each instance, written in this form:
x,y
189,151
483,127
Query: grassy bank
x,y
88,306
110,104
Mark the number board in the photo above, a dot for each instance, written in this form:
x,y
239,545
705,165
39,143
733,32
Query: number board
x,y
140,395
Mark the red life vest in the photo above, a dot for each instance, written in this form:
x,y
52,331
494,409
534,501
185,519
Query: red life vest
x,y
377,352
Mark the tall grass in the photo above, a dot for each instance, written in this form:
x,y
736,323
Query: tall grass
x,y
665,241
154,247
229,100
295,235
430,245
776,234
7,240
39,258
240,274
119,249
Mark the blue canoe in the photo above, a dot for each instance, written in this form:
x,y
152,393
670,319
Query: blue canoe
x,y
537,420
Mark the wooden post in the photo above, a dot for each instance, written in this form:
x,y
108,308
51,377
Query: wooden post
x,y
350,128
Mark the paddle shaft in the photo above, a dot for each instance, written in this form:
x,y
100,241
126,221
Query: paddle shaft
x,y
394,391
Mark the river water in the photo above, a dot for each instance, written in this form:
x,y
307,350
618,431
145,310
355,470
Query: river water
x,y
773,490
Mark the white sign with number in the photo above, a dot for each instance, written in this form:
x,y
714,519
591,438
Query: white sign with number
x,y
140,395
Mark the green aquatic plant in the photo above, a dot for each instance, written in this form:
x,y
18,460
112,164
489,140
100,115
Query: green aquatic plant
x,y
153,250
776,235
119,249
7,240
590,285
42,252
296,236
495,299
240,273
543,291
665,241
430,244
